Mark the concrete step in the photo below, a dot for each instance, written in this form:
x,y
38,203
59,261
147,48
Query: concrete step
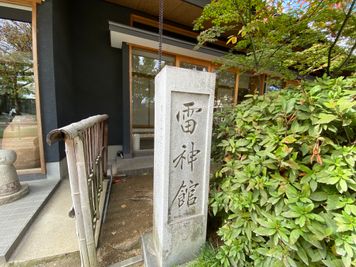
x,y
133,166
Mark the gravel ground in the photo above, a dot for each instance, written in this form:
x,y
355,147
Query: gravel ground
x,y
129,216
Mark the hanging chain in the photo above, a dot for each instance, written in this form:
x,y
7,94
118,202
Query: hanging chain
x,y
160,32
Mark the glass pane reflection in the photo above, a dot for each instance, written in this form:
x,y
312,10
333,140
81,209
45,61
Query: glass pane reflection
x,y
225,89
18,124
145,66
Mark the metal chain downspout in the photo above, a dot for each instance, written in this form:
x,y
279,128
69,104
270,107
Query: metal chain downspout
x,y
160,32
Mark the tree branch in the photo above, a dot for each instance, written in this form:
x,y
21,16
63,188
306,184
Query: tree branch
x,y
346,59
348,15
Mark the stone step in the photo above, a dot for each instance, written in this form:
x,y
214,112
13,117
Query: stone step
x,y
133,166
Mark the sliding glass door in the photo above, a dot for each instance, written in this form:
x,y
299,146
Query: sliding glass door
x,y
19,127
145,66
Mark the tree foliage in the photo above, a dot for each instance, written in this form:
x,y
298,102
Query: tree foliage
x,y
285,184
277,36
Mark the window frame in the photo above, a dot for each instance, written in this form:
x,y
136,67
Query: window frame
x,y
32,4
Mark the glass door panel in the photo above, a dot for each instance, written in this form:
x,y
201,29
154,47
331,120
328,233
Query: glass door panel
x,y
18,121
248,85
225,89
193,64
145,66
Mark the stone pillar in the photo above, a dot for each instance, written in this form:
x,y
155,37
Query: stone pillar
x,y
10,187
183,124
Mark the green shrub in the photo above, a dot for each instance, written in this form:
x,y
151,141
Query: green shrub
x,y
285,185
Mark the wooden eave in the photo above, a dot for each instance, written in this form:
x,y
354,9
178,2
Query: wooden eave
x,y
28,3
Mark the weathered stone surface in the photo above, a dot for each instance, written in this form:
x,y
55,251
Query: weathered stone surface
x,y
10,187
183,122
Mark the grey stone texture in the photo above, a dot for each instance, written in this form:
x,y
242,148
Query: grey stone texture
x,y
183,124
10,187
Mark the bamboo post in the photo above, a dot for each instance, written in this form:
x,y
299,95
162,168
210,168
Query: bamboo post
x,y
85,202
74,188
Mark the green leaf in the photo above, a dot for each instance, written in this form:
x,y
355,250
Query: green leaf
x,y
313,185
300,221
290,214
333,202
303,255
264,223
265,231
293,164
305,149
312,240
344,104
290,105
349,250
333,263
279,207
328,180
294,235
242,143
325,118
343,185
350,209
346,261
319,196
289,139
291,191
291,262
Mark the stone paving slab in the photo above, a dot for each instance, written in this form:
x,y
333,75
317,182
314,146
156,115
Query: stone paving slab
x,y
16,217
133,166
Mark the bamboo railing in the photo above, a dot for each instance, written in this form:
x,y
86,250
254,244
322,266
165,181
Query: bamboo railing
x,y
86,150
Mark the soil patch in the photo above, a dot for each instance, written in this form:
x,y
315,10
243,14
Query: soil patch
x,y
129,216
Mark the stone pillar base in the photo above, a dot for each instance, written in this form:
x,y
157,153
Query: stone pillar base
x,y
148,250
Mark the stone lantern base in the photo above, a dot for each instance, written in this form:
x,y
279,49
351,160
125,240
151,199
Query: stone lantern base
x,y
10,187
15,196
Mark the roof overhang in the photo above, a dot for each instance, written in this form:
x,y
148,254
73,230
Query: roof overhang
x,y
120,33
198,3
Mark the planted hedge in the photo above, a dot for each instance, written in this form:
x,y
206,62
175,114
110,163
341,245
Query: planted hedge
x,y
285,185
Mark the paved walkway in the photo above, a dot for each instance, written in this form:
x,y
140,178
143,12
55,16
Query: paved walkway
x,y
51,235
16,217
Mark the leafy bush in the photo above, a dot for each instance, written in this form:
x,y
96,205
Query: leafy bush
x,y
285,184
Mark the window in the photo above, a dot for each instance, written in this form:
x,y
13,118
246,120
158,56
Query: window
x,y
248,85
145,66
225,89
230,88
19,121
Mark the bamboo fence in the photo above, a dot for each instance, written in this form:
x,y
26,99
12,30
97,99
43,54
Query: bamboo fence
x,y
86,149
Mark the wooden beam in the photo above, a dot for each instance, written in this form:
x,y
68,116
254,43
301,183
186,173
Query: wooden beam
x,y
37,90
28,3
168,27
